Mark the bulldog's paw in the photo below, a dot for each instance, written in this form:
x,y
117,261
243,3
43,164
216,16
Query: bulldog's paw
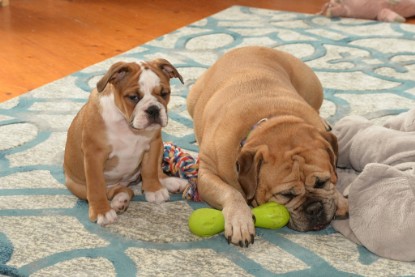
x,y
107,218
120,202
239,224
159,196
173,184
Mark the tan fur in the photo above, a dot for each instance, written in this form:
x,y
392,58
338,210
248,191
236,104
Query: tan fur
x,y
290,151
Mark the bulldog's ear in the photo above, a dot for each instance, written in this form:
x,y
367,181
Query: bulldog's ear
x,y
342,203
115,74
326,124
332,150
334,147
248,165
168,69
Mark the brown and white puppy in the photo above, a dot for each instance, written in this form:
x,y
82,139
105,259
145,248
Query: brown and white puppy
x,y
116,137
288,157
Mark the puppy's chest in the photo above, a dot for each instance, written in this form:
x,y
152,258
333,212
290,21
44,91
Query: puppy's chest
x,y
127,150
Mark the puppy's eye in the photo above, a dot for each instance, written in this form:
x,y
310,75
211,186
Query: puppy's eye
x,y
134,98
164,94
320,184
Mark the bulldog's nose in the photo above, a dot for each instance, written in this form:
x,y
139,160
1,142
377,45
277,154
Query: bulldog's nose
x,y
314,209
153,112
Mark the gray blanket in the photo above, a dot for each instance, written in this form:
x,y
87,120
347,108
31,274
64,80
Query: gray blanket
x,y
377,173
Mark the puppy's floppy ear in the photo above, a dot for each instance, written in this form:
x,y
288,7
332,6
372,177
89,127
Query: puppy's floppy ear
x,y
249,164
115,74
168,69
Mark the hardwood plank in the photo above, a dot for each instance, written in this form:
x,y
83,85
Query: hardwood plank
x,y
43,40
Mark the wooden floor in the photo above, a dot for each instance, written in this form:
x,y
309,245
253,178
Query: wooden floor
x,y
43,40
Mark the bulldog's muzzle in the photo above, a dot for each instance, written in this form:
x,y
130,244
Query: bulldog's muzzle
x,y
313,215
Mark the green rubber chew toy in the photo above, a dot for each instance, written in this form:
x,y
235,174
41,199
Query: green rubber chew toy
x,y
206,222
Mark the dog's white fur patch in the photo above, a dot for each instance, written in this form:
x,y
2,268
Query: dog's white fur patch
x,y
108,218
120,202
148,80
174,184
127,145
159,196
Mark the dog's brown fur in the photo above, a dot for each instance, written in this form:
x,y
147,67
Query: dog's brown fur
x,y
91,161
289,158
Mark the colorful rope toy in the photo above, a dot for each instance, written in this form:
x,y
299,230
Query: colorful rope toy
x,y
180,164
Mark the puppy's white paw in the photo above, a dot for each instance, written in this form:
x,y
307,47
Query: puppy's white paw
x,y
120,202
159,196
173,184
108,218
239,224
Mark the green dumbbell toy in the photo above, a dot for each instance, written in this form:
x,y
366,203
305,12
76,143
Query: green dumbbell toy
x,y
206,222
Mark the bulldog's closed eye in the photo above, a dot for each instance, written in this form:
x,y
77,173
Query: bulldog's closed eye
x,y
320,184
288,195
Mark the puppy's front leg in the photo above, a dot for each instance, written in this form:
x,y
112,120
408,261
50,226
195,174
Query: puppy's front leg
x,y
99,208
239,225
150,166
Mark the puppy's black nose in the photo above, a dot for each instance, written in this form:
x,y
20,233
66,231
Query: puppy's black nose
x,y
314,209
153,112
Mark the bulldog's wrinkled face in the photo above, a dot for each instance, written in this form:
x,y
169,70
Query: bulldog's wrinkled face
x,y
141,91
295,168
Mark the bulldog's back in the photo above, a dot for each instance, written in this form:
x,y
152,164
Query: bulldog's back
x,y
246,83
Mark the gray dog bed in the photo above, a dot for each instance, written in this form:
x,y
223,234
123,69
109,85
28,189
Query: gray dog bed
x,y
377,173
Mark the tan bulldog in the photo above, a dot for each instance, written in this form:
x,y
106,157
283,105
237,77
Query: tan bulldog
x,y
116,138
256,119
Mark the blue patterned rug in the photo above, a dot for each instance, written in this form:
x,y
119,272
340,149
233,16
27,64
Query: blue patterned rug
x,y
366,67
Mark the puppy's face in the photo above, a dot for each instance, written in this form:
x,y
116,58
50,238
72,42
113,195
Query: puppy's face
x,y
294,165
141,91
